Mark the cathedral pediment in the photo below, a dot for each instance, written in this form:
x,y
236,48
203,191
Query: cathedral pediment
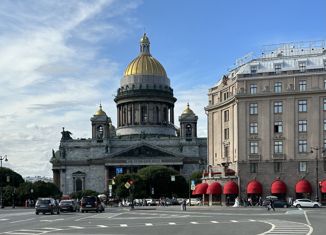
x,y
144,150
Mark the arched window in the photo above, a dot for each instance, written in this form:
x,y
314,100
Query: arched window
x,y
188,131
143,113
165,116
157,115
100,132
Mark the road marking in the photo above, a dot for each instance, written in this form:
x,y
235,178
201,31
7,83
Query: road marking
x,y
86,217
123,225
113,215
76,227
148,224
214,222
172,223
287,227
306,216
101,226
234,221
56,229
252,220
194,222
3,219
18,221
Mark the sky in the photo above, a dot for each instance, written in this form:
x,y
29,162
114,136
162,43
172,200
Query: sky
x,y
60,59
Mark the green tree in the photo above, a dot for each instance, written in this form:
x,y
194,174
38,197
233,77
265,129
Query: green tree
x,y
196,176
158,182
136,189
80,194
10,177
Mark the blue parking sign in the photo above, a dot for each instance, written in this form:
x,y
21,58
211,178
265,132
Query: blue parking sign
x,y
118,170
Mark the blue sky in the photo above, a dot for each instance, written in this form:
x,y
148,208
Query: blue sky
x,y
59,59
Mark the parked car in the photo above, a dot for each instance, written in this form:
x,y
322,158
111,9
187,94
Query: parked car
x,y
68,205
151,202
172,201
304,202
278,203
90,203
194,201
47,205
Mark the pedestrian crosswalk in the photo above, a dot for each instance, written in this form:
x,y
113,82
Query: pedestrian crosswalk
x,y
287,228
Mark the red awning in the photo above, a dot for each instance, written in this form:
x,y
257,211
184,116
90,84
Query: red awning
x,y
254,187
303,186
214,188
278,187
323,186
230,188
200,189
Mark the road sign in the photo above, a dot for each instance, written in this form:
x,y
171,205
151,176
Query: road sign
x,y
127,185
192,182
172,177
110,187
192,187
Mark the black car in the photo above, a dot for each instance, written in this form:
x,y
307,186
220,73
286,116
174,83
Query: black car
x,y
47,205
68,205
90,203
278,203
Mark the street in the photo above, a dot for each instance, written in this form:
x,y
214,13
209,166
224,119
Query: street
x,y
167,220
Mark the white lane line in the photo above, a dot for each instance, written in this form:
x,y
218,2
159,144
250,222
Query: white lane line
x,y
18,233
48,228
194,222
214,222
172,223
234,221
306,216
123,225
18,221
252,220
101,226
86,217
76,227
114,215
4,219
148,224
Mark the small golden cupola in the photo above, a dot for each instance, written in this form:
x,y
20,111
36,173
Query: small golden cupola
x,y
145,63
100,111
188,111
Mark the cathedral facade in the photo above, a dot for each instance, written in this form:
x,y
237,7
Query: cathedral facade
x,y
145,134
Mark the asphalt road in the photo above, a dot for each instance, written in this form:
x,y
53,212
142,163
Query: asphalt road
x,y
167,220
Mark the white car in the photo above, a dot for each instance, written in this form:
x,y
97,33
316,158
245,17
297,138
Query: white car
x,y
304,202
194,201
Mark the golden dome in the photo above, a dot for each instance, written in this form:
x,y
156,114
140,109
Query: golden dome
x,y
100,112
145,64
188,111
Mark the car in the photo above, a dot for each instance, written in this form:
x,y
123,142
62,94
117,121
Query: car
x,y
90,203
68,205
46,205
194,201
151,202
278,203
172,201
305,202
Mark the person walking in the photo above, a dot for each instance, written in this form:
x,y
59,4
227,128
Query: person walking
x,y
272,205
184,205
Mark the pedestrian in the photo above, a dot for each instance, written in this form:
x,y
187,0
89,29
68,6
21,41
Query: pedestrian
x,y
272,205
249,201
260,201
184,204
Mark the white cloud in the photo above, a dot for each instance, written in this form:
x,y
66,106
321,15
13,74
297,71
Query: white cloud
x,y
52,74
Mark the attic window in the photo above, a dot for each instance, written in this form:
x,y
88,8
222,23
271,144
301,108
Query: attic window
x,y
278,67
302,66
325,64
253,69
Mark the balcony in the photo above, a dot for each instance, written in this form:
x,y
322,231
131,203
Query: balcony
x,y
255,157
278,156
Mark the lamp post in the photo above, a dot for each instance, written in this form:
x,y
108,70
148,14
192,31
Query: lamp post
x,y
317,149
5,159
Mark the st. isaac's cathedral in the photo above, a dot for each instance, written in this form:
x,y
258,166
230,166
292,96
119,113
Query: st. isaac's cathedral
x,y
145,134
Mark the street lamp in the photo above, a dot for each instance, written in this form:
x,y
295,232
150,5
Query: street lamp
x,y
316,149
5,159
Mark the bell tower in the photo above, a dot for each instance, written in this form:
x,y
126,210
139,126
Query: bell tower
x,y
100,125
188,124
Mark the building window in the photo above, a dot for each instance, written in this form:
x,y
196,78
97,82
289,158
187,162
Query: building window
x,y
226,152
253,89
253,167
324,163
278,67
302,146
253,108
324,124
278,87
325,84
143,113
302,85
302,125
325,64
302,166
324,104
302,66
253,128
323,152
277,167
278,107
278,147
226,95
188,132
253,147
278,127
302,105
226,133
253,69
226,116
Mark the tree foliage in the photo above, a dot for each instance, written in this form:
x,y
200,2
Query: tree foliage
x,y
10,177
